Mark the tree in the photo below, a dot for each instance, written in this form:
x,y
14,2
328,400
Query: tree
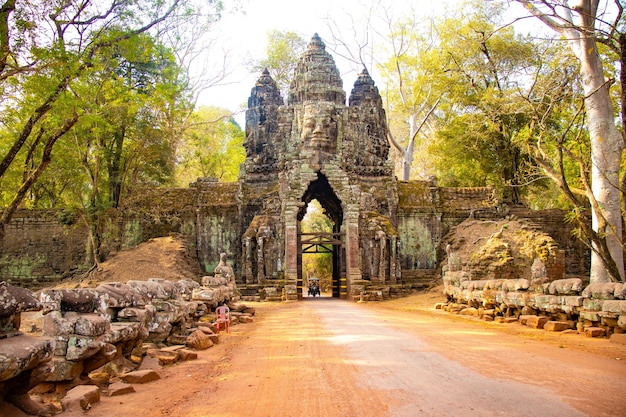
x,y
46,48
581,25
211,146
283,50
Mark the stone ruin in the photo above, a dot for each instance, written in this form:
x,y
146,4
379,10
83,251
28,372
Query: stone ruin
x,y
510,271
95,336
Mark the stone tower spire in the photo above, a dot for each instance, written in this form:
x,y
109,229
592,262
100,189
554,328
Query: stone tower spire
x,y
316,77
365,92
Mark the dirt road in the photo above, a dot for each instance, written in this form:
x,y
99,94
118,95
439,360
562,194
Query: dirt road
x,y
326,357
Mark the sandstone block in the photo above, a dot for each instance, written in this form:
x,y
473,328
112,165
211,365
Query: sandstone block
x,y
621,322
187,355
523,319
618,338
54,324
199,340
536,322
601,290
91,325
469,311
82,347
573,300
245,319
593,304
594,332
119,388
82,396
570,286
556,326
614,306
58,369
22,352
140,377
167,358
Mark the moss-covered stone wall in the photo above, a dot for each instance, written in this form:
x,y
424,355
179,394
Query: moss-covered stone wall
x,y
41,247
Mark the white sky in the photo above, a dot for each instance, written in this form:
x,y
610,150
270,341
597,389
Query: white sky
x,y
245,33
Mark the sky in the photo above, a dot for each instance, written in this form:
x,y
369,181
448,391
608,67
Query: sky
x,y
244,34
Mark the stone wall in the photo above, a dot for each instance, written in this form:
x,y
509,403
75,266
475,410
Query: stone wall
x,y
41,247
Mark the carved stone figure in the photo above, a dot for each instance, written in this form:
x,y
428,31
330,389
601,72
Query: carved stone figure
x,y
319,127
224,268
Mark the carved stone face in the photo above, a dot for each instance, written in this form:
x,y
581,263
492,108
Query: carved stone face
x,y
319,127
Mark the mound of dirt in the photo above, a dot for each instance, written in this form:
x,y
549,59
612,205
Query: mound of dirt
x,y
504,247
164,257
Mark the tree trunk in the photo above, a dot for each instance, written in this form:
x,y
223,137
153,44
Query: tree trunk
x,y
606,147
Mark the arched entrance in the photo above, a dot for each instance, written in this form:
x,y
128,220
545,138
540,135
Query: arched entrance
x,y
323,242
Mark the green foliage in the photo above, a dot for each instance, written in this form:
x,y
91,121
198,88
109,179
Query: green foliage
x,y
212,146
282,53
315,221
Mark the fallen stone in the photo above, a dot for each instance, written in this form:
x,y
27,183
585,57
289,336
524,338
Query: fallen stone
x,y
556,326
536,322
470,311
245,319
199,340
140,377
120,388
173,348
594,332
82,395
523,319
618,338
187,355
167,358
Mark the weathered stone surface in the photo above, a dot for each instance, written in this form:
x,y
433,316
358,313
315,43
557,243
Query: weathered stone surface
x,y
199,340
140,377
82,396
594,332
82,347
536,322
119,388
556,326
187,355
18,354
618,338
90,325
570,286
58,369
602,291
614,306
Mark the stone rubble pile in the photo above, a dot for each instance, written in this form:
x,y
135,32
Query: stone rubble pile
x,y
95,335
562,304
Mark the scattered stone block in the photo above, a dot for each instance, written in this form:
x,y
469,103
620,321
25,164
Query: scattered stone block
x,y
536,322
82,396
556,326
245,319
140,377
199,340
594,332
187,355
523,319
120,388
618,338
470,311
167,358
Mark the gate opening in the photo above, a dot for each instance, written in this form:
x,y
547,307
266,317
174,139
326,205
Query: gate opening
x,y
320,239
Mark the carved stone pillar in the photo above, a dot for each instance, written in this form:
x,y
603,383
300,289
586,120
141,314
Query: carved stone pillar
x,y
291,242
